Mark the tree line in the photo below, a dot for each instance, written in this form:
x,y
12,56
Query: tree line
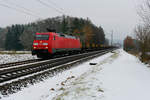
x,y
21,36
142,33
143,30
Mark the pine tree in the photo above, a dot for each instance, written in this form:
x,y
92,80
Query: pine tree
x,y
12,38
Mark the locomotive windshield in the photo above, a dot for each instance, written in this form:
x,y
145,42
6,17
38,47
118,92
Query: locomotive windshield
x,y
42,37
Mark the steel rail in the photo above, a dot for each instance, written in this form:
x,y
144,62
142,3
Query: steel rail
x,y
23,70
18,63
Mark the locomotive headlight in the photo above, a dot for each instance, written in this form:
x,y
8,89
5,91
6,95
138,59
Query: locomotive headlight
x,y
45,43
35,43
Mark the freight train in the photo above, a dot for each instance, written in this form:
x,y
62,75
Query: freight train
x,y
51,43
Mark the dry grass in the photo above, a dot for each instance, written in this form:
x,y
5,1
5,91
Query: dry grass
x,y
146,59
135,53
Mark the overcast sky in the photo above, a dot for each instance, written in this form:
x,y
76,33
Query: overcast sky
x,y
117,15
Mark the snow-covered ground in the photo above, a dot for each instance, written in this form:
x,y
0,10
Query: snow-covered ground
x,y
117,76
7,58
15,52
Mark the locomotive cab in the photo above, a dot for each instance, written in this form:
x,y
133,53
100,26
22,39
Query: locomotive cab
x,y
41,44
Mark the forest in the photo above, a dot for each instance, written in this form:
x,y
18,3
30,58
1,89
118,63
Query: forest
x,y
21,36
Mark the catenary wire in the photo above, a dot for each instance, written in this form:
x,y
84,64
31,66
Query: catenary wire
x,y
50,1
49,6
18,10
24,8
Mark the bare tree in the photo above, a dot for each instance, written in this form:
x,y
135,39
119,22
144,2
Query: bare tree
x,y
27,38
143,36
143,31
144,12
3,33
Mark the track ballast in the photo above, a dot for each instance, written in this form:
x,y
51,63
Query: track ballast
x,y
51,64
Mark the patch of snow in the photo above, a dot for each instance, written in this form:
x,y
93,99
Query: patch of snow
x,y
17,52
44,89
116,76
8,58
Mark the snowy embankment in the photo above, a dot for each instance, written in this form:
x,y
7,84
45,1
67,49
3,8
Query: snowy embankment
x,y
117,76
8,58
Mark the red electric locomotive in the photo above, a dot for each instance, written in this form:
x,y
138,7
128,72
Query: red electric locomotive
x,y
50,43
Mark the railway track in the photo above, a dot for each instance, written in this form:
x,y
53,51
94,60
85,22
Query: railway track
x,y
51,64
7,65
